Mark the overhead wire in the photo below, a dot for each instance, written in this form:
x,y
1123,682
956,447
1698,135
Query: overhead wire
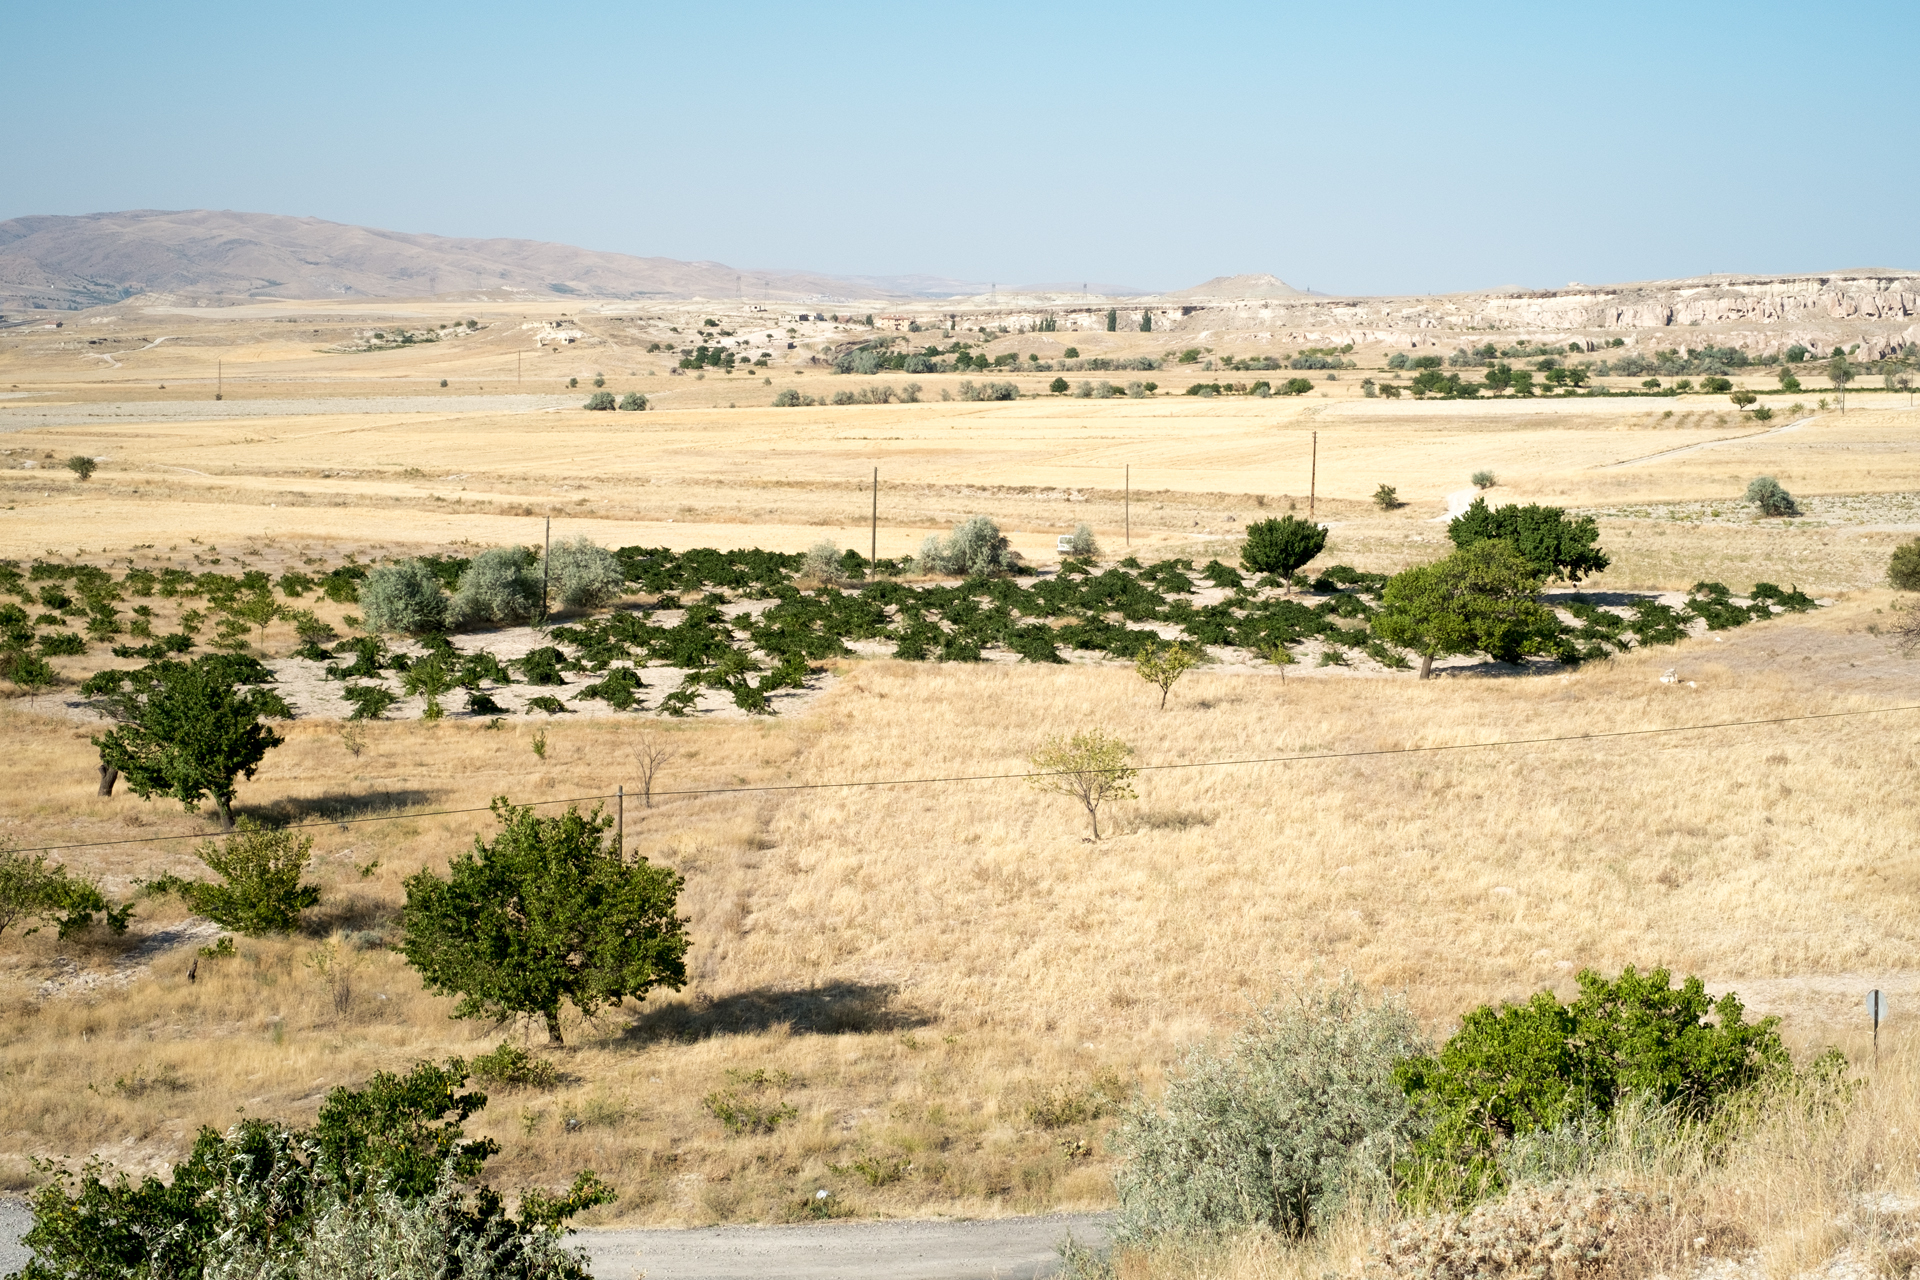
x,y
955,779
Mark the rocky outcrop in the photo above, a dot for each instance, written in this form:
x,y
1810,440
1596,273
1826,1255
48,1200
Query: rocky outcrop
x,y
1877,310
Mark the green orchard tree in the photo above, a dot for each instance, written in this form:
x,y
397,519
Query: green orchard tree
x,y
1480,599
1555,546
548,913
1281,546
191,729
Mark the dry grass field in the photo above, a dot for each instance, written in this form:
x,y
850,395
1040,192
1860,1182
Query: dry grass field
x,y
948,983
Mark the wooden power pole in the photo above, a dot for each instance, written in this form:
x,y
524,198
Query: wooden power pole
x,y
1313,475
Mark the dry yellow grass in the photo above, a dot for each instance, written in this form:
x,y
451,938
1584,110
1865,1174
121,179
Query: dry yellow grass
x,y
930,960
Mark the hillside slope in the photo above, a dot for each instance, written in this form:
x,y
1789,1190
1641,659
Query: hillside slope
x,y
69,263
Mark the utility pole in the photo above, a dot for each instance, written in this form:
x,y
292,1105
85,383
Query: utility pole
x,y
219,379
620,820
546,570
1127,504
1313,476
873,530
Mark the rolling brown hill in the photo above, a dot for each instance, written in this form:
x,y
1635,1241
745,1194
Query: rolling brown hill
x,y
69,263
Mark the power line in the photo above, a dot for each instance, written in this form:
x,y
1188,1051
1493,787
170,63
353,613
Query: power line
x,y
1301,758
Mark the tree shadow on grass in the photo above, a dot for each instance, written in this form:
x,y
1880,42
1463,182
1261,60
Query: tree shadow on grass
x,y
829,1008
337,806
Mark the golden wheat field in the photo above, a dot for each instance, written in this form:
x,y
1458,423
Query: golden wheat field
x,y
949,982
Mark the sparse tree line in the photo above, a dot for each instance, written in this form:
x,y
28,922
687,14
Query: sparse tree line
x,y
1556,374
1260,389
878,356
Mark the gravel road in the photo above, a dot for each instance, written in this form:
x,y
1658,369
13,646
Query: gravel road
x,y
24,417
991,1249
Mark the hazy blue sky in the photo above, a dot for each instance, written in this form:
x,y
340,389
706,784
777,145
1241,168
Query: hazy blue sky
x,y
1355,148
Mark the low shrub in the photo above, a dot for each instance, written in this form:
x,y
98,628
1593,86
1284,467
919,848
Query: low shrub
x,y
381,1185
1387,498
1525,1069
1536,1231
370,701
633,402
1766,494
259,889
498,587
32,888
406,597
742,1115
987,391
584,575
975,547
824,564
601,400
512,1067
1299,1112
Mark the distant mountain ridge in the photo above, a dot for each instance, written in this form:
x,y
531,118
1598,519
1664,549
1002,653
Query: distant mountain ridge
x,y
72,262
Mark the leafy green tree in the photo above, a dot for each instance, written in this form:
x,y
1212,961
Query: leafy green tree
x,y
1387,498
1090,767
31,888
549,912
1058,386
1742,398
1528,1068
259,610
1840,373
1903,569
1480,599
30,673
191,729
259,889
1146,322
1162,665
1788,382
1281,546
1113,319
633,402
82,466
403,1129
380,1186
600,400
1557,547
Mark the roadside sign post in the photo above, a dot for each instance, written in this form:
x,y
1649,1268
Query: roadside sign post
x,y
1877,1010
